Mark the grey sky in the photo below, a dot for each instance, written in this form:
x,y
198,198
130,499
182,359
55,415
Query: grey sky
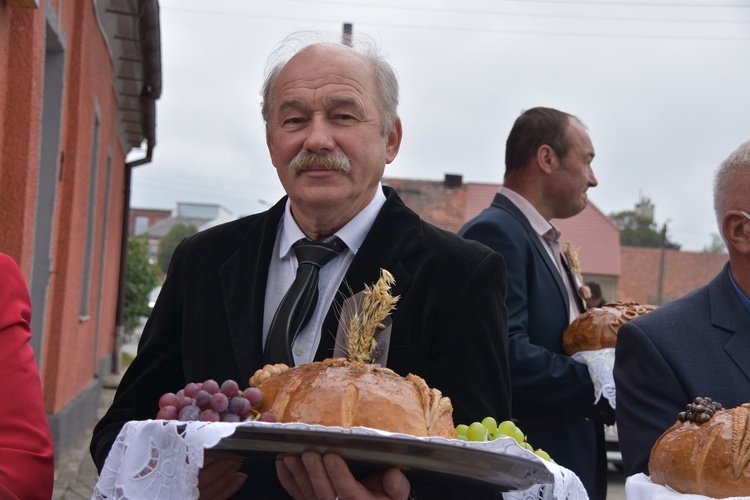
x,y
663,86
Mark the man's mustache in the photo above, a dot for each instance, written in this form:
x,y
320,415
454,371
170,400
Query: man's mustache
x,y
335,160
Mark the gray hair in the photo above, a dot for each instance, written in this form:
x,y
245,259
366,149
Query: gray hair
x,y
732,182
386,80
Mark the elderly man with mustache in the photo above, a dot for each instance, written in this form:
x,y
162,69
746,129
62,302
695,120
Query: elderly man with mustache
x,y
331,127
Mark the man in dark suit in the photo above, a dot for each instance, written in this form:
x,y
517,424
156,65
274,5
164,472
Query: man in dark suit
x,y
695,346
548,170
332,126
595,299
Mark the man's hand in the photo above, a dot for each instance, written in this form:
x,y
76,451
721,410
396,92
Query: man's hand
x,y
327,477
219,479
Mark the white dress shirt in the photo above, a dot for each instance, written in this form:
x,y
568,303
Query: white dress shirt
x,y
283,269
541,226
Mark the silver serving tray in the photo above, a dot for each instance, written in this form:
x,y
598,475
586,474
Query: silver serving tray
x,y
473,462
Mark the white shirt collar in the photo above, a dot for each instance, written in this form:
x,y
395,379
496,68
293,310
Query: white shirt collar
x,y
353,233
539,224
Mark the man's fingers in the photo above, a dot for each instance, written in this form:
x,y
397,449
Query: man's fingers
x,y
219,479
316,471
395,484
286,477
344,485
327,477
215,467
222,490
294,477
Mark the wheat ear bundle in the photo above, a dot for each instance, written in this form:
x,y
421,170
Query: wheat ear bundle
x,y
364,324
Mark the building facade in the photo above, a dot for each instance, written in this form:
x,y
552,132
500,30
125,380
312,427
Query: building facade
x,y
78,84
657,276
156,224
644,275
451,202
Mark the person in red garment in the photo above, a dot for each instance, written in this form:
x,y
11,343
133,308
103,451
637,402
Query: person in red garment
x,y
27,467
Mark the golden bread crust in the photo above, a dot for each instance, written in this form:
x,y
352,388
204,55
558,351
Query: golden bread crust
x,y
708,459
336,392
597,328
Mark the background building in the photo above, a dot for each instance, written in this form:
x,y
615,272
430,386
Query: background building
x,y
78,84
625,273
157,223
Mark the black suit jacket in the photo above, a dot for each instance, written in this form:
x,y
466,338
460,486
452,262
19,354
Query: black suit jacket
x,y
698,345
449,326
553,395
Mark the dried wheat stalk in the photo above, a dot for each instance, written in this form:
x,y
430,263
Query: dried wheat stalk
x,y
364,324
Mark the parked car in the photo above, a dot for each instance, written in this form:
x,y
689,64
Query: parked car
x,y
614,456
152,298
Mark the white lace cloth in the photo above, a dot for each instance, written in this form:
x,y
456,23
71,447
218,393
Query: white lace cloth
x,y
153,459
600,363
640,487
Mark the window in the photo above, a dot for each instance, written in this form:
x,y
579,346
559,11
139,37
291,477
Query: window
x,y
88,250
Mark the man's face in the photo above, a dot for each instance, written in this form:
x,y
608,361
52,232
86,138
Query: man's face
x,y
574,174
325,104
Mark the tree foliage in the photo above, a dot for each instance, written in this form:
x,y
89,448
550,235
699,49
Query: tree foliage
x,y
142,276
170,242
639,231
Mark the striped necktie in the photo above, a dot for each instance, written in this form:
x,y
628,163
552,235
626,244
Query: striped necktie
x,y
298,304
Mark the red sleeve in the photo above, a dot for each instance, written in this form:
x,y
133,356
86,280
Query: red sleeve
x,y
27,467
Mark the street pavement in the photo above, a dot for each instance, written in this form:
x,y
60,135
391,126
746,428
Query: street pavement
x,y
75,473
616,486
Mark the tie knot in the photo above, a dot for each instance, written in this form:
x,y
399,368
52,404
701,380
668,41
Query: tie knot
x,y
551,236
318,253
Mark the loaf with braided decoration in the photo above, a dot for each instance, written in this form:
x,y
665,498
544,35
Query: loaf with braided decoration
x,y
597,328
340,393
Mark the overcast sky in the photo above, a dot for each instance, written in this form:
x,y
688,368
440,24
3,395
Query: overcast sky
x,y
663,87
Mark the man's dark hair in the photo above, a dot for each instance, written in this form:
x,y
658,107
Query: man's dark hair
x,y
596,290
533,129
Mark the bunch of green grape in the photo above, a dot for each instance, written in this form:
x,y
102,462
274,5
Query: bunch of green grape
x,y
488,430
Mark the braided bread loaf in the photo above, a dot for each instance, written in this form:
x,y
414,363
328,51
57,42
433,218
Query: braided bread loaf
x,y
336,392
597,327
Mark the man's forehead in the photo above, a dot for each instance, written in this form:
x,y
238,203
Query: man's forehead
x,y
325,71
325,53
324,47
580,139
329,99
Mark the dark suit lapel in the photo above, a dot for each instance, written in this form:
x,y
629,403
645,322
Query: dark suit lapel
x,y
243,281
738,347
504,203
395,235
728,313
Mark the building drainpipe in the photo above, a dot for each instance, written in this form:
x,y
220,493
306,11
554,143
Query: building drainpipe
x,y
120,314
149,23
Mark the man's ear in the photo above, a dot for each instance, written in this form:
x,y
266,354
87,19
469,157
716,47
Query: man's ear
x,y
393,141
736,230
546,158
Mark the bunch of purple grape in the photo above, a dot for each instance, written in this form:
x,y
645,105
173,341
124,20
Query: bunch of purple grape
x,y
211,402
